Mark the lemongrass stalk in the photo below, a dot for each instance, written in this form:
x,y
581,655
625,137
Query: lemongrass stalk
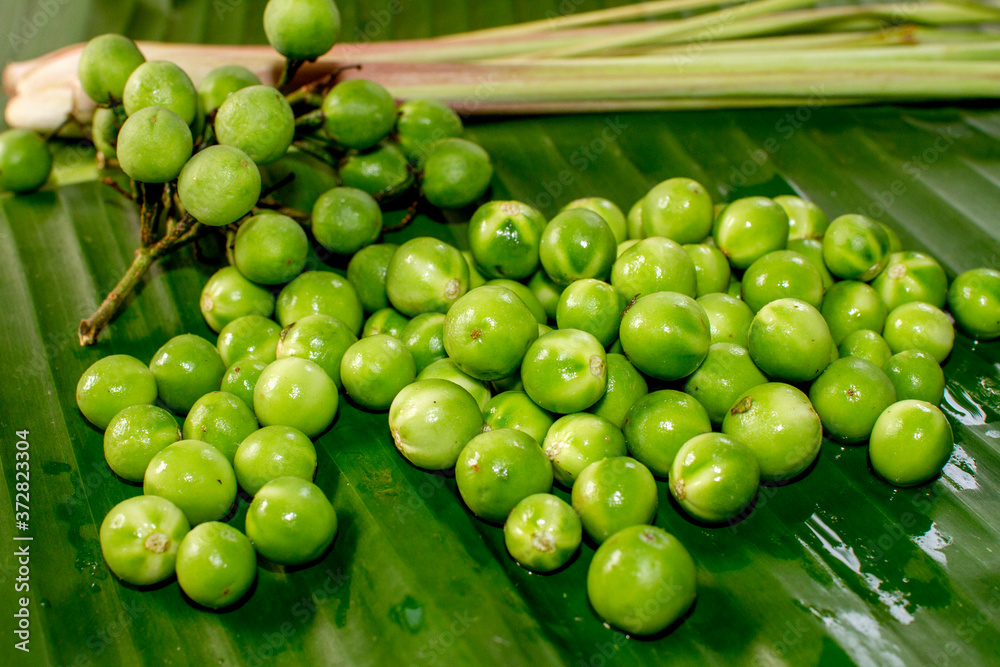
x,y
683,28
901,35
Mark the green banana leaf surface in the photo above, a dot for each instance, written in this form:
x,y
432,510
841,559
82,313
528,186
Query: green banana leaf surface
x,y
835,568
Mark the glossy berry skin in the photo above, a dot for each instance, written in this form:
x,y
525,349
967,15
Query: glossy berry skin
x,y
498,469
375,369
290,521
608,211
658,425
301,29
134,436
728,318
216,565
319,293
565,371
358,113
727,372
222,82
865,344
186,368
849,396
385,321
367,271
140,538
916,375
488,331
577,244
626,385
504,238
249,336
542,532
855,248
112,384
25,161
432,420
158,83
423,336
525,294
195,476
426,275
679,209
654,265
273,452
445,369
666,335
712,270
781,274
749,228
920,326
422,123
592,306
219,185
806,220
318,338
911,442
344,220
789,340
241,378
911,276
575,441
104,129
612,494
259,121
381,171
456,173
298,393
850,306
812,249
106,63
154,144
714,477
222,420
974,300
640,570
514,409
270,249
228,296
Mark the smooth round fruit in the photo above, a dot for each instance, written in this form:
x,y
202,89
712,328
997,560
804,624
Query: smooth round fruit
x,y
241,378
476,278
273,452
654,265
641,580
679,209
219,185
633,222
608,211
488,331
865,344
222,82
911,442
855,247
134,436
514,409
344,220
423,336
666,335
301,29
319,293
974,300
140,538
104,129
290,521
916,375
919,326
422,123
249,336
153,146
367,270
498,469
525,294
575,441
319,338
850,306
270,249
546,291
228,296
613,494
714,477
375,369
445,369
711,268
195,477
112,384
911,276
259,121
849,396
727,372
222,420
216,565
106,63
750,228
298,393
625,386
456,173
812,249
159,83
659,424
426,275
432,420
25,161
565,371
358,113
186,368
778,423
782,274
806,220
728,318
542,532
382,171
577,244
592,306
504,238
789,340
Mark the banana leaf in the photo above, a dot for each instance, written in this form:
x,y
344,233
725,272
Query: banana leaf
x,y
835,568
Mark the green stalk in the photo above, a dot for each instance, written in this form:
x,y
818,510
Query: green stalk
x,y
801,43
